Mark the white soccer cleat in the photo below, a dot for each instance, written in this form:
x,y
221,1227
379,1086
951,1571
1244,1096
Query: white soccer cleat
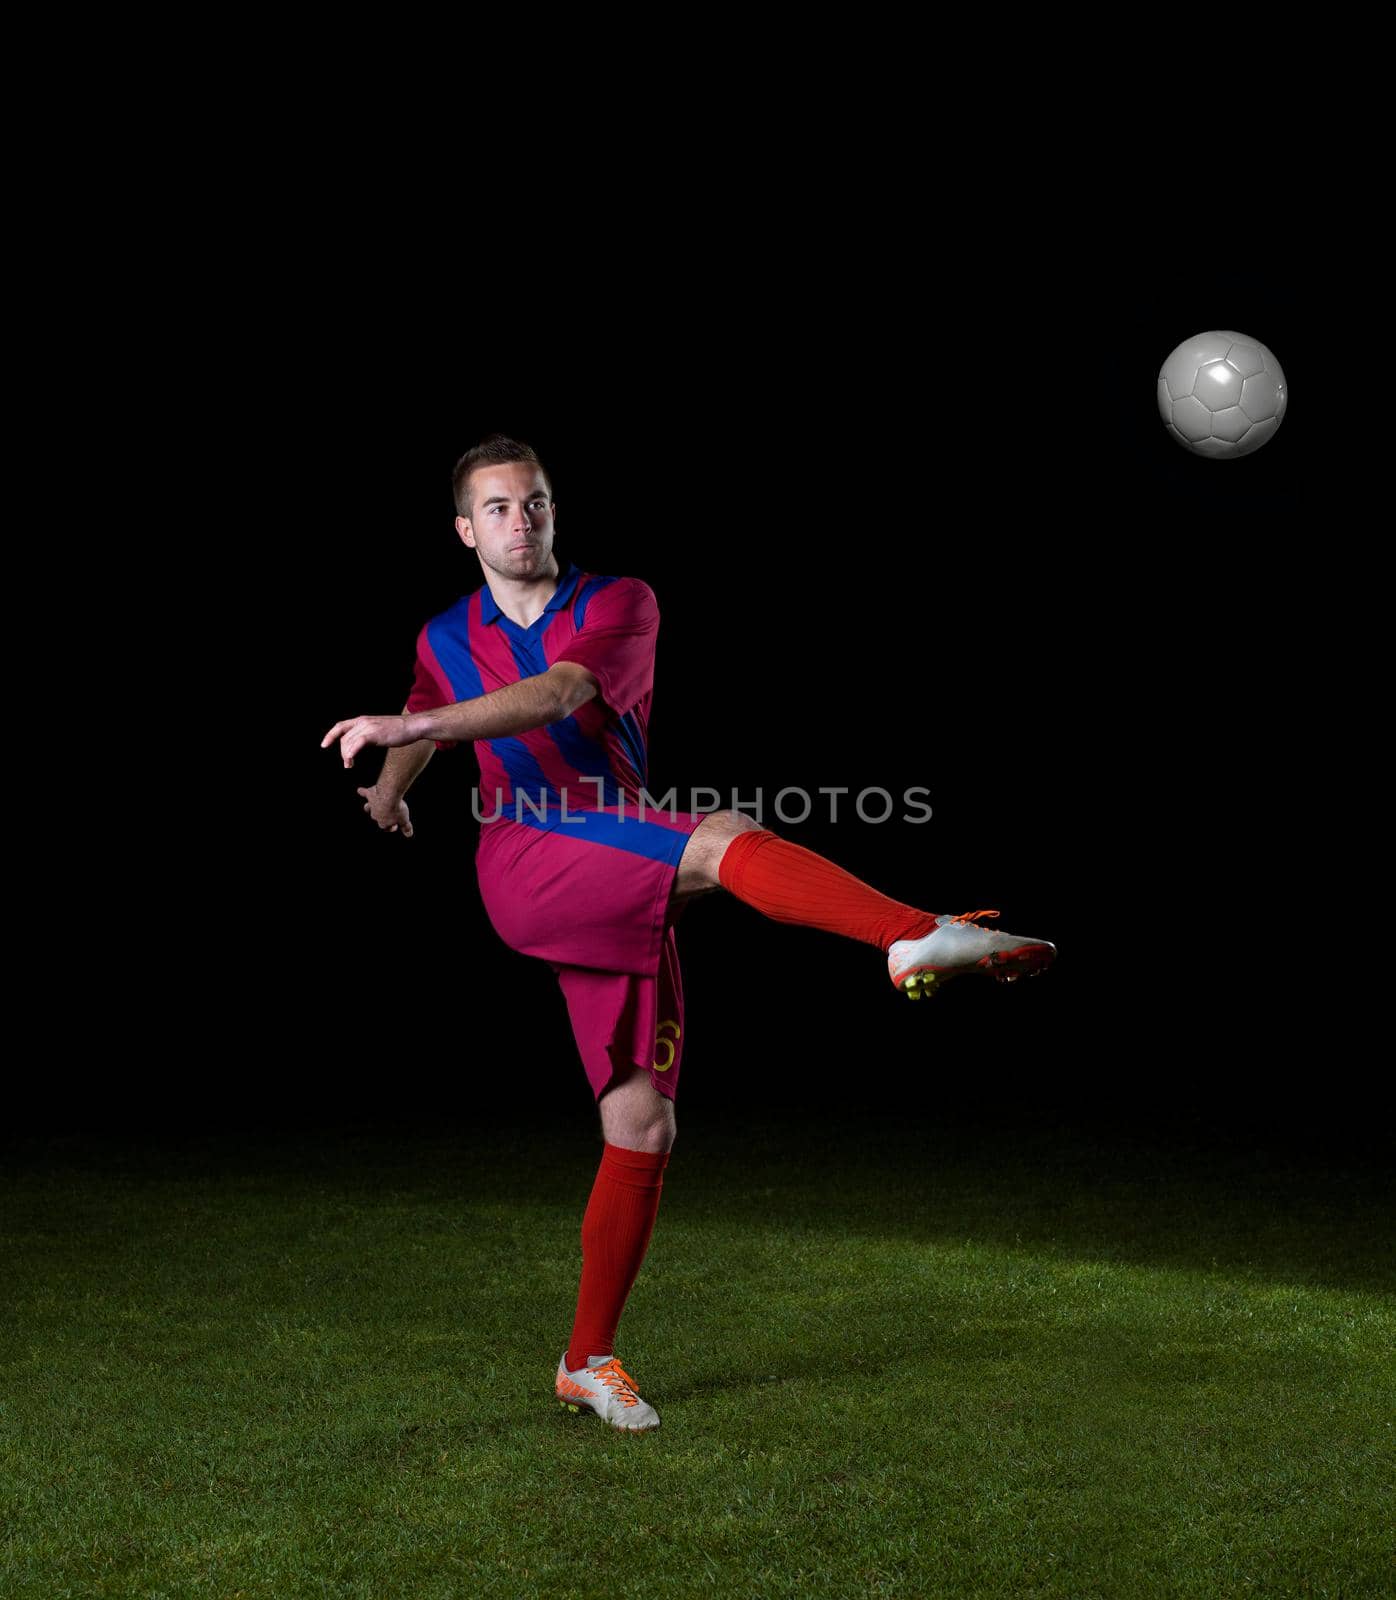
x,y
609,1391
957,945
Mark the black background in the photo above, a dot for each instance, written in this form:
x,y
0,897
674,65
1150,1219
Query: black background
x,y
913,524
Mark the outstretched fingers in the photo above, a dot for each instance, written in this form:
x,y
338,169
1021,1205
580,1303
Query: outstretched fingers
x,y
350,742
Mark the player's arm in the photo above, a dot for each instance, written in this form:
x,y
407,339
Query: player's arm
x,y
516,708
403,765
385,802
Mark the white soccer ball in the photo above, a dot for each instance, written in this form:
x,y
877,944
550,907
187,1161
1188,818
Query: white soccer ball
x,y
1222,395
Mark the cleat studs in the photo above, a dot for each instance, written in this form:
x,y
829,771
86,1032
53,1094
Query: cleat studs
x,y
912,994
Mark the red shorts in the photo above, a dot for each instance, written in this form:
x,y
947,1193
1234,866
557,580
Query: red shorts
x,y
592,900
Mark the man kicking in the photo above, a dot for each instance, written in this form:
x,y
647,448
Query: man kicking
x,y
550,674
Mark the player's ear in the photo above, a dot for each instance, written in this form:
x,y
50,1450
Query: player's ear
x,y
466,532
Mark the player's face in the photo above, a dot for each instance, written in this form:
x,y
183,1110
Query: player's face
x,y
511,520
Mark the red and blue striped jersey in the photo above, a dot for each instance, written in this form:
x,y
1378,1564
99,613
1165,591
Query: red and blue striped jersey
x,y
607,624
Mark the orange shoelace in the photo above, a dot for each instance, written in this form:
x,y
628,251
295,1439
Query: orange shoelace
x,y
970,916
618,1380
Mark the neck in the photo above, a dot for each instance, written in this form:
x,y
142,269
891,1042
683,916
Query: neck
x,y
522,600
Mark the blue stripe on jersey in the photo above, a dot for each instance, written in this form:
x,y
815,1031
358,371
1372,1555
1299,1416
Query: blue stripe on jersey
x,y
449,637
524,773
629,730
587,757
528,653
571,579
584,598
649,839
585,754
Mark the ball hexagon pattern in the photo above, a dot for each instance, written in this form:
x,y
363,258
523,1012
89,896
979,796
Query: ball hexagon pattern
x,y
1222,394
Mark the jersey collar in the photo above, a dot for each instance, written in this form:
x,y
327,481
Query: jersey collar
x,y
490,612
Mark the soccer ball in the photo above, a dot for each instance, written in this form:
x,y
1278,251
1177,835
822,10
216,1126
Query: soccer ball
x,y
1221,395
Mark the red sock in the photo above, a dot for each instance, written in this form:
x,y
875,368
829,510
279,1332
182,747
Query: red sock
x,y
615,1235
788,883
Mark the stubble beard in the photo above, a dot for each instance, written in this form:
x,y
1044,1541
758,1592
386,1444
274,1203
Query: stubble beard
x,y
524,564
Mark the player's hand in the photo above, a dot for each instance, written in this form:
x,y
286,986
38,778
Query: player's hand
x,y
387,810
355,732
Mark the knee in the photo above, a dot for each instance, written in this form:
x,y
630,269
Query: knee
x,y
635,1116
736,822
653,1137
698,866
658,1137
731,825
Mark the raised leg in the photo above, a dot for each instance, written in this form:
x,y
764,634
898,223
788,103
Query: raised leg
x,y
788,883
706,847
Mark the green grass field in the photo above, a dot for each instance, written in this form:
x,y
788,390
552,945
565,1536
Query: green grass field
x,y
888,1362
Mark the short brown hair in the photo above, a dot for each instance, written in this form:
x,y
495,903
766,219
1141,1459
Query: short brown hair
x,y
496,451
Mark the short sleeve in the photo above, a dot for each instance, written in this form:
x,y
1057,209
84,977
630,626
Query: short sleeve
x,y
430,690
620,622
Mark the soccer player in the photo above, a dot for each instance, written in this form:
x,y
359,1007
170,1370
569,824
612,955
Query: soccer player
x,y
550,673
